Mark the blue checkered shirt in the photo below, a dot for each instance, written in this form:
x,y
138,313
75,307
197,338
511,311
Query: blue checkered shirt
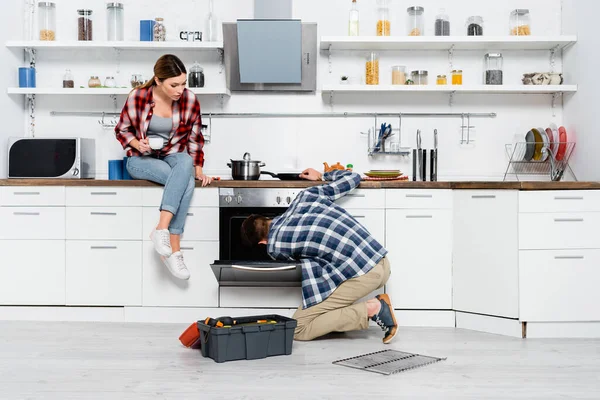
x,y
330,243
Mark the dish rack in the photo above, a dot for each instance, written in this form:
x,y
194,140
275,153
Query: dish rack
x,y
548,165
389,146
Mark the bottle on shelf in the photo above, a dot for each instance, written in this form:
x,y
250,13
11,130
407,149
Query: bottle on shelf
x,y
212,32
353,20
68,81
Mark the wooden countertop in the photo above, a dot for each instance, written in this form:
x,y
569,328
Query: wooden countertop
x,y
303,184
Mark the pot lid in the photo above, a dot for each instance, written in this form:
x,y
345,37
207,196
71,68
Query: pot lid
x,y
247,159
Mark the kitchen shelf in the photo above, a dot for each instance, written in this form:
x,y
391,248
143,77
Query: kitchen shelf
x,y
104,91
124,45
446,42
477,89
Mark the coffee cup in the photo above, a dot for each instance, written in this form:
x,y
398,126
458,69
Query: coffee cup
x,y
156,143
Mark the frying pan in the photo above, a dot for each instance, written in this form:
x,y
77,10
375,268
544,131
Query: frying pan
x,y
284,176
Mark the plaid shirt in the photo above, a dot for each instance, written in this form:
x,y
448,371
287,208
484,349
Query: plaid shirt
x,y
330,243
186,134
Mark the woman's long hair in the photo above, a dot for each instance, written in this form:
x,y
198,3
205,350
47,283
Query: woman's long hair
x,y
167,66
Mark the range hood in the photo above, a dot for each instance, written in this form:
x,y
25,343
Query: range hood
x,y
271,52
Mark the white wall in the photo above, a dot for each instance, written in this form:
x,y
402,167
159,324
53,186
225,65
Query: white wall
x,y
292,144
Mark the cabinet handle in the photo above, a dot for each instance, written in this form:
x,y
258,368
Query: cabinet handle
x,y
26,213
419,196
103,213
568,257
190,214
356,195
567,198
26,193
103,193
359,216
187,248
103,247
568,219
287,268
419,216
488,196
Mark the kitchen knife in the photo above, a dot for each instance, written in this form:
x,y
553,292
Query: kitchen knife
x,y
414,165
434,157
424,165
419,154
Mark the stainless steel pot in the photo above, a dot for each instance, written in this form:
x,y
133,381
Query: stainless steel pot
x,y
246,169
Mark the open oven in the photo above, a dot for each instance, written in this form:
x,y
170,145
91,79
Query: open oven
x,y
239,265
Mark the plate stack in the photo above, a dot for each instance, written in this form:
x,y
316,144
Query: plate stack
x,y
384,175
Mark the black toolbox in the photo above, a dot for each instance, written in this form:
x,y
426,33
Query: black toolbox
x,y
248,339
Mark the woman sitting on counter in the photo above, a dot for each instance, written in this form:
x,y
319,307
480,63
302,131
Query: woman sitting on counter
x,y
160,128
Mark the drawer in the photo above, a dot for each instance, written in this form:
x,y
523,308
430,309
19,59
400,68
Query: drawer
x,y
32,272
200,224
203,197
104,223
104,196
363,198
373,220
32,223
418,199
104,273
559,231
559,201
560,286
32,196
255,297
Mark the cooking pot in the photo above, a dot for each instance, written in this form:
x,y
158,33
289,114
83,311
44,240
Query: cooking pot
x,y
246,169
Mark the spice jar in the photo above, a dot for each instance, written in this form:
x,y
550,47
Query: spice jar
x,y
442,24
68,81
109,82
47,20
114,22
160,32
136,80
383,18
493,69
84,25
475,26
457,77
520,22
419,77
94,82
415,24
398,75
196,76
442,80
372,69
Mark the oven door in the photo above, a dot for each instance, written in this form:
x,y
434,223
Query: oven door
x,y
258,273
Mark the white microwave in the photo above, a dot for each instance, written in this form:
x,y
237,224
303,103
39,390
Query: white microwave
x,y
51,158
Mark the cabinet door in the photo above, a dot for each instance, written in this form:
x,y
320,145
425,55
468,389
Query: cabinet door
x,y
485,264
373,220
32,272
420,254
161,289
104,273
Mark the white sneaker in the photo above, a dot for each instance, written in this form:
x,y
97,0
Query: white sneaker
x,y
176,266
162,242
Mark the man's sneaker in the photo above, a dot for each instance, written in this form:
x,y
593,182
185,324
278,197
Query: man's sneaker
x,y
176,266
386,319
162,242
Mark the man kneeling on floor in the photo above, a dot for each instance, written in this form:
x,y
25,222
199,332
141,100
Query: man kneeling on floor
x,y
341,261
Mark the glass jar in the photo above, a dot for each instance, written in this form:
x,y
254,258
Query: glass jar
x,y
416,21
47,20
160,32
109,82
493,69
68,81
372,69
475,26
457,77
136,80
94,82
419,77
85,27
383,18
442,24
115,22
196,76
212,31
398,75
353,20
520,24
442,80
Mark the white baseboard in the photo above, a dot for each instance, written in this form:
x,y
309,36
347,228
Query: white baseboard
x,y
563,330
487,324
62,314
430,319
189,315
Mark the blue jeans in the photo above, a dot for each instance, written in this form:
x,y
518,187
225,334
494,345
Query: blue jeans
x,y
176,173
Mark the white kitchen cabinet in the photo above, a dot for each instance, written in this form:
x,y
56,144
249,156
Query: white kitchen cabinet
x,y
415,199
373,220
485,256
103,196
104,273
547,231
260,297
33,223
558,201
46,196
161,289
104,223
32,272
420,255
201,224
363,199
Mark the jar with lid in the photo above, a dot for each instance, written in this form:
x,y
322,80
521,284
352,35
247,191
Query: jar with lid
x,y
383,18
160,32
372,69
493,69
475,26
85,26
398,75
196,76
442,24
520,24
416,21
47,20
442,80
94,82
419,77
136,80
68,81
109,82
457,77
114,22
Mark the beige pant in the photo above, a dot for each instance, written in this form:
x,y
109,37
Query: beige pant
x,y
338,313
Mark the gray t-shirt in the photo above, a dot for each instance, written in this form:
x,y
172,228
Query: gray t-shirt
x,y
160,127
